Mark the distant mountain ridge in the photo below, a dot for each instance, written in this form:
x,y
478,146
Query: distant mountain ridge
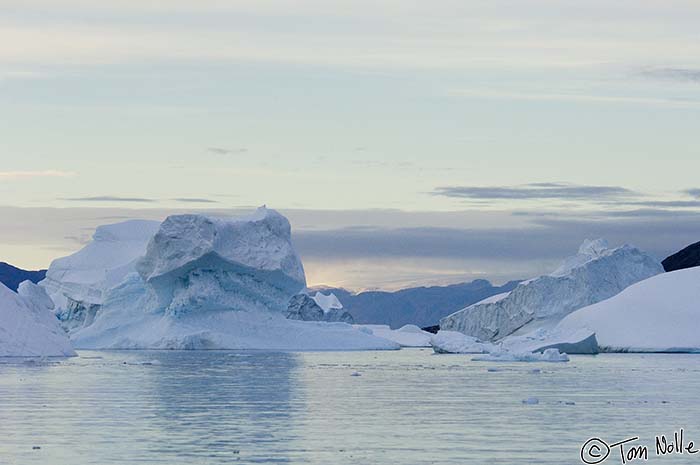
x,y
11,276
421,306
686,258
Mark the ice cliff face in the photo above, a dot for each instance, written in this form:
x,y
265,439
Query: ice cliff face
x,y
198,263
77,283
596,273
28,327
216,283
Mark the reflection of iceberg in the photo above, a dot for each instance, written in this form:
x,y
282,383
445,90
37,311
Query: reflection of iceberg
x,y
233,406
207,283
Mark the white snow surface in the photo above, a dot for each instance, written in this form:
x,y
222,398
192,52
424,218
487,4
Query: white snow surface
x,y
28,327
596,273
454,342
216,283
405,336
103,263
659,314
327,302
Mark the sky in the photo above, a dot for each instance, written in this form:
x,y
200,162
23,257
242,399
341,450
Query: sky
x,y
408,142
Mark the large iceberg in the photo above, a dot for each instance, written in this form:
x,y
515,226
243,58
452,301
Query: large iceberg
x,y
216,283
660,314
28,327
596,273
77,283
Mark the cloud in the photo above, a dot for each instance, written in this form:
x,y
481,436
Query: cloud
x,y
226,151
538,96
674,74
194,200
109,198
535,191
36,174
693,193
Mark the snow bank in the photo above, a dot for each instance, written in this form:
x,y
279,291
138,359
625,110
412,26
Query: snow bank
x,y
596,273
216,283
454,342
77,283
406,336
660,314
28,327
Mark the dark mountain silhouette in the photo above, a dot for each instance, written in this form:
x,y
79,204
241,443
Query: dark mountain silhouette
x,y
421,306
11,276
686,258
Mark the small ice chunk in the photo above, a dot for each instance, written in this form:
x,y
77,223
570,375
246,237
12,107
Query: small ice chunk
x,y
531,401
549,355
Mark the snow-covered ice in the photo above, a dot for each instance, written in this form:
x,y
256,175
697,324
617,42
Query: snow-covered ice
x,y
216,283
327,302
77,283
596,273
406,336
574,341
659,314
28,327
454,342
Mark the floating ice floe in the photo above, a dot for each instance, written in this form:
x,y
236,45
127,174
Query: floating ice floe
x,y
549,355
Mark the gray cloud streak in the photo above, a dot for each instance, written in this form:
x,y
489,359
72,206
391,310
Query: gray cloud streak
x,y
536,191
226,151
109,198
194,200
674,74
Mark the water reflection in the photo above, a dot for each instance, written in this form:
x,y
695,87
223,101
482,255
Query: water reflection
x,y
407,407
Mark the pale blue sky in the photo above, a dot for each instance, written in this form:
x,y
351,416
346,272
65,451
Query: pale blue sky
x,y
358,105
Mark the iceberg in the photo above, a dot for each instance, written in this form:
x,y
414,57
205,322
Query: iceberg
x,y
406,336
659,314
454,342
28,327
579,341
216,283
77,283
596,273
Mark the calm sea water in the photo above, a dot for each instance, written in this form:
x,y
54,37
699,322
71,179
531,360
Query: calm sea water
x,y
403,407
